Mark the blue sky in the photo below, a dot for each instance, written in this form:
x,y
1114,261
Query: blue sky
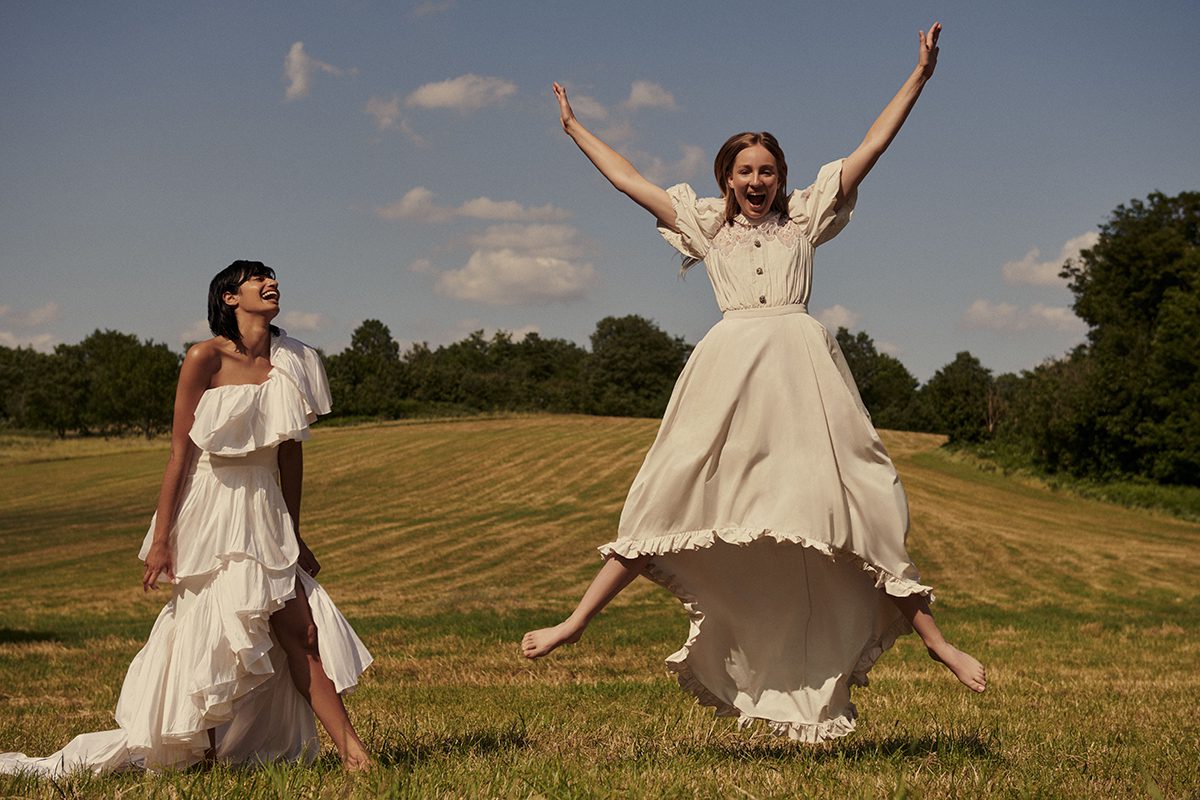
x,y
402,161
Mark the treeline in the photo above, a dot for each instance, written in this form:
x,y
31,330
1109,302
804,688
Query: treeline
x,y
628,372
113,383
110,383
1125,403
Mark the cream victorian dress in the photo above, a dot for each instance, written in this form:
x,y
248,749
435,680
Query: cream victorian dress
x,y
768,502
211,661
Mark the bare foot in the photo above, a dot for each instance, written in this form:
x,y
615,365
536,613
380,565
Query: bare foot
x,y
536,644
969,671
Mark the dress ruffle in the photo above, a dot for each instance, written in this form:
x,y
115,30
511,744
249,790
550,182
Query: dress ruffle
x,y
230,507
769,507
239,419
211,662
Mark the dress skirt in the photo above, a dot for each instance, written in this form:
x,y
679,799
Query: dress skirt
x,y
772,511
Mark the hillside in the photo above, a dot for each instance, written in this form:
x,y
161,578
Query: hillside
x,y
444,541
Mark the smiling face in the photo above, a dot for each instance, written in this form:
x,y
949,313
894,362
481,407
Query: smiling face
x,y
754,182
258,294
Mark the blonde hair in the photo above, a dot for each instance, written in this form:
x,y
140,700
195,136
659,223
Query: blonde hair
x,y
723,168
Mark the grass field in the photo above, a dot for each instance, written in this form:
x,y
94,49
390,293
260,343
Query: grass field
x,y
444,541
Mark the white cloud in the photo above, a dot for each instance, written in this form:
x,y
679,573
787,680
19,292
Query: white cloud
x,y
513,264
1057,317
298,68
34,317
464,93
418,204
656,170
195,332
837,316
888,348
509,277
385,112
302,321
588,107
647,94
42,342
486,208
986,315
619,133
555,241
431,7
1031,270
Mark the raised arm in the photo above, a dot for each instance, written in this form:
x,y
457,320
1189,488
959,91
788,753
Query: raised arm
x,y
614,166
199,365
888,123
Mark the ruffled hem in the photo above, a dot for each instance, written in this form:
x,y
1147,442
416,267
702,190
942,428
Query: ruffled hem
x,y
677,663
211,646
809,733
894,585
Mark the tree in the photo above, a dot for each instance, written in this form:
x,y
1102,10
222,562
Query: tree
x,y
958,394
129,383
633,367
887,388
1138,289
368,377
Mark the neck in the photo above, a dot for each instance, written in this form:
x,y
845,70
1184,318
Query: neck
x,y
256,335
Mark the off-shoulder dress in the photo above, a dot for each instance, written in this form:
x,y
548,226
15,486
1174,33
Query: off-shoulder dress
x,y
211,661
768,503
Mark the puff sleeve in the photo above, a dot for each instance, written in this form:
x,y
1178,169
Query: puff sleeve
x,y
813,208
698,221
303,365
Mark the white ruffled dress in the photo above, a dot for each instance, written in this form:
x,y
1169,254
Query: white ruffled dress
x,y
768,503
211,661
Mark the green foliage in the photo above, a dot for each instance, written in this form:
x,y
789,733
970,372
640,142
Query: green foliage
x,y
110,382
1139,291
633,367
368,378
887,388
962,398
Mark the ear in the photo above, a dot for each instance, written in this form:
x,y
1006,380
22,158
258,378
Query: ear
x,y
230,299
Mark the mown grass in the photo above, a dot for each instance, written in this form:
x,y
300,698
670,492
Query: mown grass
x,y
444,541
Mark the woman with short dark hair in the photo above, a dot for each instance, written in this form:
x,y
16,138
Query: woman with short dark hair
x,y
249,645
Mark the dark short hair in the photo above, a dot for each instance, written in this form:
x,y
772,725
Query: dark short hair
x,y
723,166
222,320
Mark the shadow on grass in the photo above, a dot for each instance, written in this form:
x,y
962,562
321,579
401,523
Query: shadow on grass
x,y
946,744
16,635
409,752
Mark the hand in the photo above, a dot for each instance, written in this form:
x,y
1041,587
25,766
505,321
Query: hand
x,y
158,562
565,114
927,49
307,561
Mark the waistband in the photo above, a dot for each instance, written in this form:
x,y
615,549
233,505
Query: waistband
x,y
769,311
266,458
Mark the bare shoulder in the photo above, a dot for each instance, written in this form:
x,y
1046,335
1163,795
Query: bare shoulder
x,y
203,360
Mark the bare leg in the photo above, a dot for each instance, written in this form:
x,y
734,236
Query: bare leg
x,y
615,575
915,608
297,634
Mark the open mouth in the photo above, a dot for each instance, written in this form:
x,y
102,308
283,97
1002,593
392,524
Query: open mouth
x,y
756,200
271,294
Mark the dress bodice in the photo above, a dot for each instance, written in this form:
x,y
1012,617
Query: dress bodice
x,y
237,420
763,265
